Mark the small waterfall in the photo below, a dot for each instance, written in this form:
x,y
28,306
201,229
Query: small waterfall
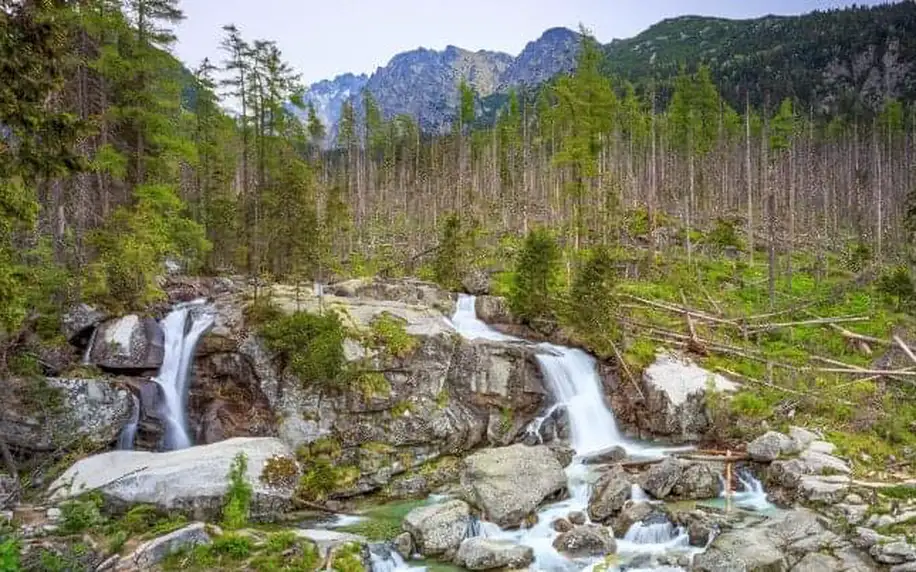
x,y
129,432
637,494
656,533
183,328
534,428
88,353
753,497
384,559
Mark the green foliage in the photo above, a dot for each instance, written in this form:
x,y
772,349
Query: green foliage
x,y
321,477
725,233
9,555
454,254
134,244
238,497
389,333
898,286
536,281
310,346
857,256
383,522
80,515
348,558
592,301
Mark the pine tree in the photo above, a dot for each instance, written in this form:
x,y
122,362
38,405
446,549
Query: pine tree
x,y
536,281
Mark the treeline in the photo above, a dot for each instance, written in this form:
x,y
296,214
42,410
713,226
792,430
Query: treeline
x,y
117,163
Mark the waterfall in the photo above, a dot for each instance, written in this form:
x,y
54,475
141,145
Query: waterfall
x,y
384,559
637,494
87,359
183,328
129,432
753,497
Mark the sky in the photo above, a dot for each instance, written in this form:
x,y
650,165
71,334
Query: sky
x,y
322,39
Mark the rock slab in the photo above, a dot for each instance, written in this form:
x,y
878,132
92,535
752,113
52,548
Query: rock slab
x,y
438,529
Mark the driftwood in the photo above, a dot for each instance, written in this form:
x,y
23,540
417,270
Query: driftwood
x,y
682,310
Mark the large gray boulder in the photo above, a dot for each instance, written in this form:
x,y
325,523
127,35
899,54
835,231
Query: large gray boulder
x,y
770,446
129,342
79,321
438,529
509,483
588,540
48,414
486,554
675,391
661,478
746,550
193,481
697,481
493,310
609,494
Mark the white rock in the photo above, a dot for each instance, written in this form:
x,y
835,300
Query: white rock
x,y
53,514
192,480
822,463
802,436
822,447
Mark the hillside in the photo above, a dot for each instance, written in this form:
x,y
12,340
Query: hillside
x,y
836,61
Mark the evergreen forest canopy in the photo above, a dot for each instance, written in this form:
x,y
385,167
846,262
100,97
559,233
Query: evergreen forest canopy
x,y
114,160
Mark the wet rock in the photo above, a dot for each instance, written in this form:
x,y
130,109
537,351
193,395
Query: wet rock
x,y
48,414
633,512
192,481
699,533
697,481
742,550
577,517
155,551
508,483
78,322
403,544
770,446
493,310
486,554
476,282
675,390
438,530
612,455
561,525
563,452
590,540
661,477
128,343
609,494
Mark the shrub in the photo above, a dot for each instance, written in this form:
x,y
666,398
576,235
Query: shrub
x,y
725,233
536,281
389,333
322,477
238,497
591,301
897,285
309,346
9,555
79,515
280,471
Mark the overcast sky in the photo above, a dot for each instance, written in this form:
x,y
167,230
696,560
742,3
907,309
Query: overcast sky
x,y
322,39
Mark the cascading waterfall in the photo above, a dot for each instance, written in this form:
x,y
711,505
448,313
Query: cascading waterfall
x,y
573,380
752,497
129,432
183,328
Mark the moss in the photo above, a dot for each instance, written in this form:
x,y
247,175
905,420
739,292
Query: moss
x,y
442,398
309,346
280,471
378,448
389,334
901,492
401,408
505,419
383,522
348,558
373,384
322,478
321,448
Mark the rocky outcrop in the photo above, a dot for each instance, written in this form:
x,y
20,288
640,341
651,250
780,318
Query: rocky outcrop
x,y
676,478
674,407
156,550
193,481
78,322
49,414
476,282
128,343
609,494
588,540
814,475
438,530
493,310
509,483
488,554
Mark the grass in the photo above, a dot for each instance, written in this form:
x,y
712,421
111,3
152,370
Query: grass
x,y
383,522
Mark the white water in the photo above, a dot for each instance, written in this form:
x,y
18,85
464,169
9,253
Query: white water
x,y
88,353
183,328
637,494
129,432
384,559
574,383
753,497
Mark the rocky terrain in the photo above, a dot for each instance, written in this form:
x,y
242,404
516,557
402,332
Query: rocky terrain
x,y
466,419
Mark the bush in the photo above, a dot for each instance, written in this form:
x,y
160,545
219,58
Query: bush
x,y
79,515
9,555
536,281
238,497
725,233
897,285
448,265
280,471
390,335
309,346
591,301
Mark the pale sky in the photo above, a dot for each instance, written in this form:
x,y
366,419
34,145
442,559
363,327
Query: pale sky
x,y
322,39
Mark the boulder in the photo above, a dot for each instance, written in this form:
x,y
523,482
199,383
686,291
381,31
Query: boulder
x,y
633,512
128,343
508,483
745,549
828,489
154,551
898,552
610,493
802,437
589,540
48,414
661,477
403,544
487,553
770,446
611,455
817,562
577,517
78,322
193,481
675,390
697,481
437,530
823,464
476,282
493,310
561,525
